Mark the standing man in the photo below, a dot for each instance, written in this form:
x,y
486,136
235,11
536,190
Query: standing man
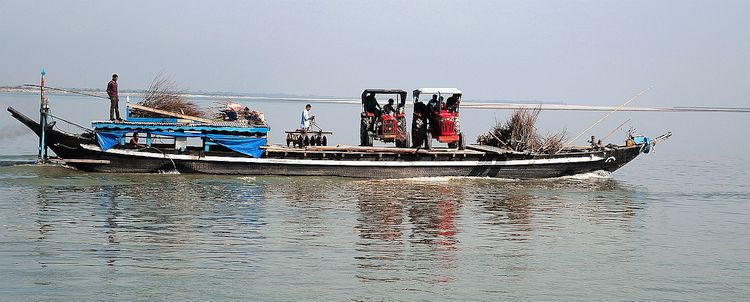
x,y
433,103
114,110
306,118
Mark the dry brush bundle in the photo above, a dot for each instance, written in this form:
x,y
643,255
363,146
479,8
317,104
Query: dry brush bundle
x,y
520,134
555,142
163,94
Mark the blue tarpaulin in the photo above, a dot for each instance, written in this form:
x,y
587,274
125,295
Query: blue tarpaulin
x,y
245,145
109,139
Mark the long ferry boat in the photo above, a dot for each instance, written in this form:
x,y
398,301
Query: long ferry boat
x,y
187,144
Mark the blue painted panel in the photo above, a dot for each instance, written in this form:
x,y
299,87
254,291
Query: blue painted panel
x,y
151,119
134,127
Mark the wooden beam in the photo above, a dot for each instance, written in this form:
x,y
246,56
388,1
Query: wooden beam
x,y
86,161
172,114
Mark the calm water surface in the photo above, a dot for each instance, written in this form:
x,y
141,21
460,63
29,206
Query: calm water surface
x,y
674,225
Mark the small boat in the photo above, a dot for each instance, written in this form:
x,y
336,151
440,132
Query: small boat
x,y
239,148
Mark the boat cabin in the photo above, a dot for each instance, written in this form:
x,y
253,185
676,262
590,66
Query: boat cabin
x,y
184,134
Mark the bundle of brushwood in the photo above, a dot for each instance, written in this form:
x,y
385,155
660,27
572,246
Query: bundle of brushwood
x,y
520,134
229,111
163,94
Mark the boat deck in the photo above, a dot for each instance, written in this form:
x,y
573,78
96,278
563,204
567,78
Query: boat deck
x,y
368,150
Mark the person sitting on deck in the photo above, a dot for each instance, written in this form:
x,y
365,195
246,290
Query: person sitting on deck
x,y
304,123
134,140
389,108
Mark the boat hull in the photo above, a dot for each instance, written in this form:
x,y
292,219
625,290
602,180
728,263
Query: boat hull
x,y
83,153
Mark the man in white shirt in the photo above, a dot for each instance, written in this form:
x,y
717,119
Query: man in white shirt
x,y
306,118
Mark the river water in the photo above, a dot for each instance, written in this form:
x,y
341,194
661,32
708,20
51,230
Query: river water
x,y
672,225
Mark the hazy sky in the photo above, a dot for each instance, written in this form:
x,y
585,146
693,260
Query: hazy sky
x,y
583,52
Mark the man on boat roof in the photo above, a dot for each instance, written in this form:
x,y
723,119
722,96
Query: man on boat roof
x,y
114,100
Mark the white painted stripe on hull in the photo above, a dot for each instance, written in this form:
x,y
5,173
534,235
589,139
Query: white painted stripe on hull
x,y
353,163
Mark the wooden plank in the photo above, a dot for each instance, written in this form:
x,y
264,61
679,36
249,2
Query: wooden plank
x,y
367,150
492,149
309,132
172,114
86,161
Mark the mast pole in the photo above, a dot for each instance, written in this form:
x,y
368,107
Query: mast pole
x,y
43,110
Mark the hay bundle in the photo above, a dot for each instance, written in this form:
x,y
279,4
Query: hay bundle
x,y
520,134
163,94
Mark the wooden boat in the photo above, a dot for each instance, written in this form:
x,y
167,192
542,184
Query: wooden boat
x,y
231,148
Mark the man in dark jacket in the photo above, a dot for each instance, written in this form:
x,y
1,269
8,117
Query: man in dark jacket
x,y
114,110
451,104
372,106
389,108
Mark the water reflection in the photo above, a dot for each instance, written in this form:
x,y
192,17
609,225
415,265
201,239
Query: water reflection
x,y
407,230
401,234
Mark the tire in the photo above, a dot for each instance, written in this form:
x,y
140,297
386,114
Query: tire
x,y
428,141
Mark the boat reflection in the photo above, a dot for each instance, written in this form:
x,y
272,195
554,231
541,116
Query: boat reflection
x,y
410,230
407,230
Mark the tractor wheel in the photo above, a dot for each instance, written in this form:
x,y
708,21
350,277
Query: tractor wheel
x,y
461,142
428,141
324,141
453,145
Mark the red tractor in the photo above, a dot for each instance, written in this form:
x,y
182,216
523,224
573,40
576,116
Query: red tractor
x,y
386,123
438,118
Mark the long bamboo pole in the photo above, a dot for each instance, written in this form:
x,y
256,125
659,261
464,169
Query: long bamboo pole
x,y
608,114
613,130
